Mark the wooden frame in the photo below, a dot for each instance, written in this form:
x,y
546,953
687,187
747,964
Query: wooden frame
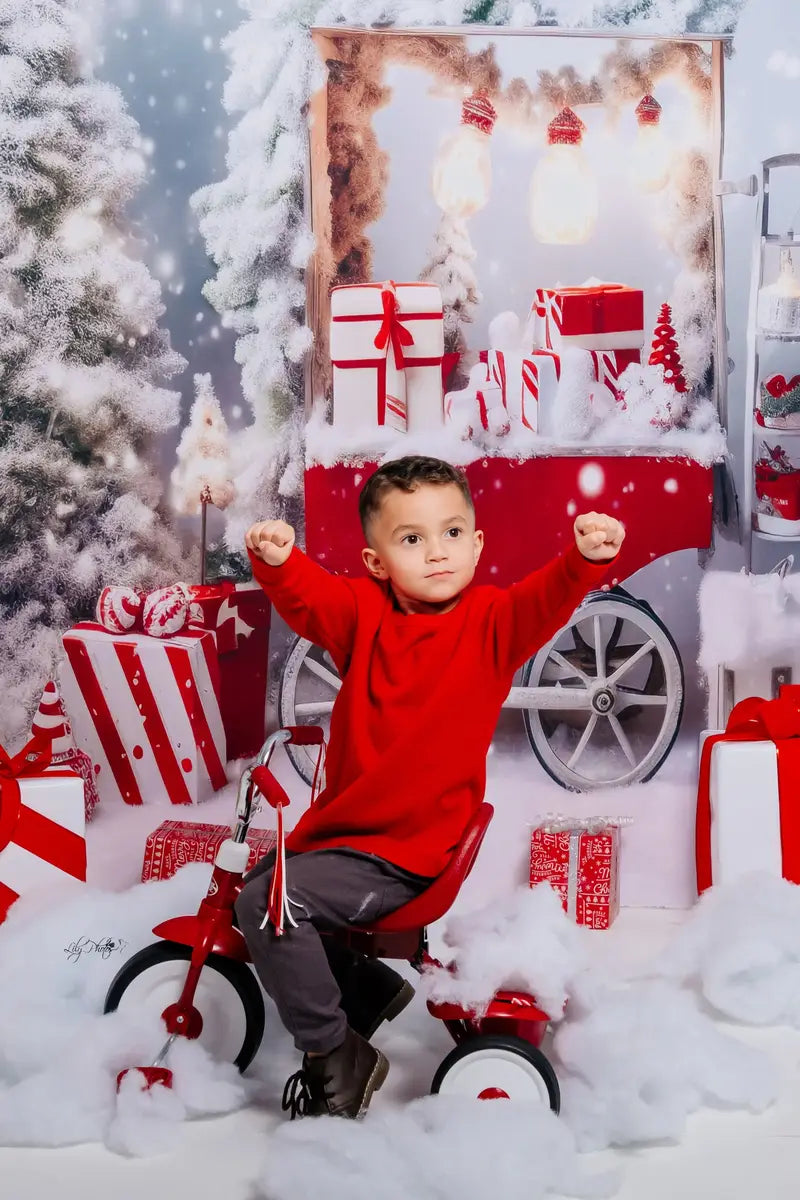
x,y
321,269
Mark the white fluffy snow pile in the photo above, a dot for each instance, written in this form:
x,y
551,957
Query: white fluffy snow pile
x,y
438,1148
740,947
59,1056
747,619
526,944
635,1055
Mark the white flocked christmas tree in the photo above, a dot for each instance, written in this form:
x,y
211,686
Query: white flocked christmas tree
x,y
82,357
450,266
202,475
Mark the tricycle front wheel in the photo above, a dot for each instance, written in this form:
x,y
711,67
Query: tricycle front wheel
x,y
228,997
496,1066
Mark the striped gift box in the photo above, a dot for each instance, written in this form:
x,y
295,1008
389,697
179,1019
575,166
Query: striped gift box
x,y
147,712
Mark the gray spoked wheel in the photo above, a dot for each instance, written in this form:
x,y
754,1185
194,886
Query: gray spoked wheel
x,y
619,661
309,685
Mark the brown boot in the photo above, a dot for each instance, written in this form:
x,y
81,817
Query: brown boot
x,y
340,1083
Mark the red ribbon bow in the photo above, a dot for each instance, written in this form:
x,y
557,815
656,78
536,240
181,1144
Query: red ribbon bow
x,y
392,330
754,720
31,760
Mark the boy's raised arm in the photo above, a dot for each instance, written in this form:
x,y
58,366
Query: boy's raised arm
x,y
315,604
529,613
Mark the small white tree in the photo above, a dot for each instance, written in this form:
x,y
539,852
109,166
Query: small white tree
x,y
450,265
202,475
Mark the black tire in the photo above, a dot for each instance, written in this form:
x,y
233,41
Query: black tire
x,y
237,974
486,1042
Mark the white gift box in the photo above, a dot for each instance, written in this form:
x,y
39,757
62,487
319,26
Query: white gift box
x,y
386,346
42,842
745,810
147,711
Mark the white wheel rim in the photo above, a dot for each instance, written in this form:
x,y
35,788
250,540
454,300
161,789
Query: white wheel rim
x,y
632,754
503,1070
309,686
216,999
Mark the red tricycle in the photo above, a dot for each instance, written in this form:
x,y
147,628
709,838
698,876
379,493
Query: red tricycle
x,y
198,976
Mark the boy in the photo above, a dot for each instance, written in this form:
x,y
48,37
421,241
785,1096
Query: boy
x,y
426,663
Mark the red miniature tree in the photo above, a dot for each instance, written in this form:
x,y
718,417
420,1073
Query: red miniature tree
x,y
664,351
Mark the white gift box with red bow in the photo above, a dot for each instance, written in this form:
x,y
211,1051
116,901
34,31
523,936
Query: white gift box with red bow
x,y
147,711
42,828
386,347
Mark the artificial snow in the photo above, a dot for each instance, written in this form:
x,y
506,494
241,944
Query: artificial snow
x,y
434,1148
746,620
59,1056
635,1052
526,944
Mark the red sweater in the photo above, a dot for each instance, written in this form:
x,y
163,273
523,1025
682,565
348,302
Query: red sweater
x,y
420,698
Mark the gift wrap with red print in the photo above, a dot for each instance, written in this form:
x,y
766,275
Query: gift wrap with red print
x,y
147,712
582,865
175,843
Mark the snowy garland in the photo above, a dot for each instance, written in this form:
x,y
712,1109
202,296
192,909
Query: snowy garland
x,y
254,221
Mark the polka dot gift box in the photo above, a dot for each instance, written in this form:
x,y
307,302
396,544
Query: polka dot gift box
x,y
146,709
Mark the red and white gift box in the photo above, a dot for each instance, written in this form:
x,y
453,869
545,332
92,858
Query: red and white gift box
x,y
147,712
608,316
608,365
748,816
387,346
527,382
42,825
580,861
175,843
239,617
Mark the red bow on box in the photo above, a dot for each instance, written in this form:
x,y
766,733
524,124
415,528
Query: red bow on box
x,y
757,720
31,760
392,330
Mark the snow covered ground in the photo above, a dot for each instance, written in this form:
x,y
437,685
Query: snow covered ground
x,y
433,1151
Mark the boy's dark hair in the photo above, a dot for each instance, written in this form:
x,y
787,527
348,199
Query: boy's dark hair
x,y
407,474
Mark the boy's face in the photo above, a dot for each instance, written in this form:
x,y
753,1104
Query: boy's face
x,y
425,544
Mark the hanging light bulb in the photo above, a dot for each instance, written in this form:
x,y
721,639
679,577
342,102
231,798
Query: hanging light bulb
x,y
652,153
563,197
462,170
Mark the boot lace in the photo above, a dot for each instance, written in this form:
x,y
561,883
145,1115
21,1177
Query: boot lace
x,y
304,1093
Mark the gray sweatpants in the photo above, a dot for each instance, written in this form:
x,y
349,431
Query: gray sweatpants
x,y
331,889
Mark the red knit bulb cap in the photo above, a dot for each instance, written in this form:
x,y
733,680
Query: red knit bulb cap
x,y
648,111
479,111
566,129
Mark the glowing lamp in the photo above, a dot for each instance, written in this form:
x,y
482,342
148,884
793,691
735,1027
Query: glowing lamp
x,y
651,154
563,196
462,171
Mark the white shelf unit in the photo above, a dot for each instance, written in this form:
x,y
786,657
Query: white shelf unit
x,y
755,339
